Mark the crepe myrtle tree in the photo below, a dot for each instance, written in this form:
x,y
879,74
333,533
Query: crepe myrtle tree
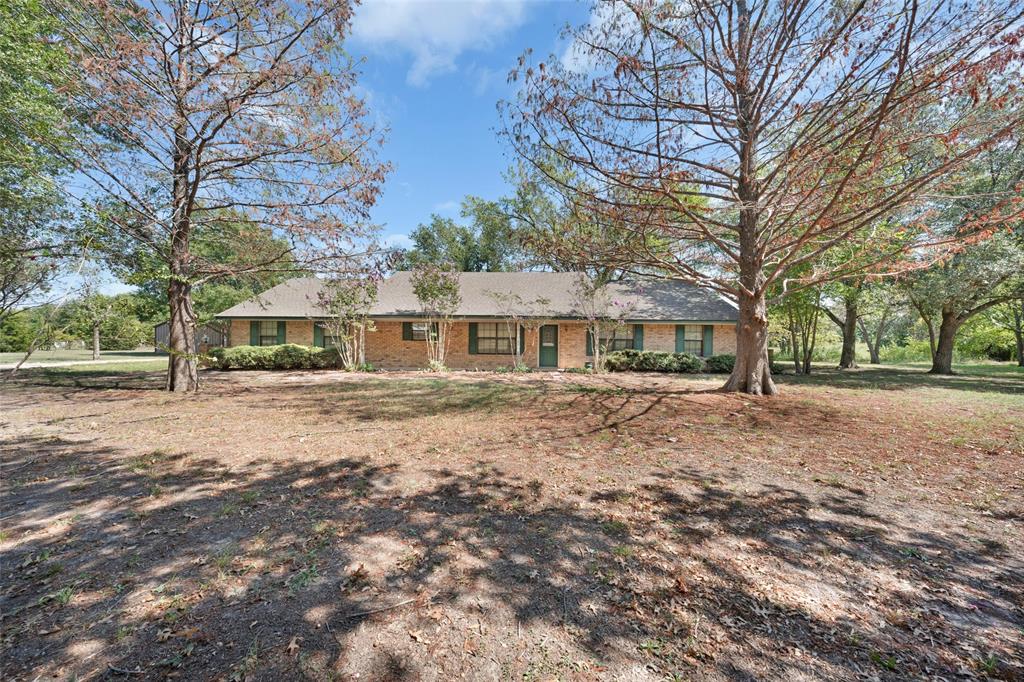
x,y
520,313
603,312
207,107
437,290
346,300
796,124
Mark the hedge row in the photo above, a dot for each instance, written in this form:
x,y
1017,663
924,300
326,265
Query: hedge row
x,y
655,361
285,356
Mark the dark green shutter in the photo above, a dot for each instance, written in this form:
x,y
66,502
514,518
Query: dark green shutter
x,y
281,334
472,338
638,337
254,333
318,335
709,335
407,331
590,343
680,337
522,339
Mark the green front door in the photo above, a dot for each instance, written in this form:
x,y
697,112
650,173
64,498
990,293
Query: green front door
x,y
549,345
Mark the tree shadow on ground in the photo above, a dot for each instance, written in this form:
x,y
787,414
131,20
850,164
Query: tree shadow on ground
x,y
158,564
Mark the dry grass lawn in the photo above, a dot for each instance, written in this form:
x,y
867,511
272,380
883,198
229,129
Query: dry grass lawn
x,y
536,527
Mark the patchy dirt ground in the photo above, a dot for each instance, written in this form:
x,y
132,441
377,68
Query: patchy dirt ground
x,y
539,527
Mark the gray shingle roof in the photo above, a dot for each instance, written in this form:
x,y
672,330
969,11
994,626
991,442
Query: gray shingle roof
x,y
656,300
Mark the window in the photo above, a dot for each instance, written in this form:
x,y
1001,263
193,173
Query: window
x,y
331,341
693,339
620,339
419,331
268,332
492,338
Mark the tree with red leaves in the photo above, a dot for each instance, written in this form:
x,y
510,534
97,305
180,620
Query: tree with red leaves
x,y
799,126
209,108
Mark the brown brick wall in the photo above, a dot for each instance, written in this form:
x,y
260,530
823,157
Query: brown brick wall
x,y
386,349
299,331
238,333
572,344
660,337
724,340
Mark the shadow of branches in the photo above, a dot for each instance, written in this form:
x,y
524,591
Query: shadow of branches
x,y
158,564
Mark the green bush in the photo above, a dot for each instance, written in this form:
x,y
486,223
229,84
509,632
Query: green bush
x,y
285,356
914,351
292,356
653,361
720,364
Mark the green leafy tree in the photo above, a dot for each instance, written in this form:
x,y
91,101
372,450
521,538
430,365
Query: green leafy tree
x,y
1010,315
222,250
883,317
481,244
948,294
34,137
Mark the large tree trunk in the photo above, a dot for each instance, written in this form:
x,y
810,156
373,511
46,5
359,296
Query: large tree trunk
x,y
182,368
942,359
848,356
752,372
95,341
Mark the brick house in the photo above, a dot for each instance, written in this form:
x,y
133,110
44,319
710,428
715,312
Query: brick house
x,y
663,316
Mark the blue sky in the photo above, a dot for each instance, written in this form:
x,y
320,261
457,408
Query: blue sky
x,y
434,72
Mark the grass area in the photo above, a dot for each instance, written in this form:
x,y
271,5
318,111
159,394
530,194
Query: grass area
x,y
72,355
323,525
141,373
993,381
977,369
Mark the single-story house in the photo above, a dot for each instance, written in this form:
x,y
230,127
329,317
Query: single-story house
x,y
660,315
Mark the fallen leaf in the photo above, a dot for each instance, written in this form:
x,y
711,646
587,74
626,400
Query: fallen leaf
x,y
293,646
681,586
418,636
164,635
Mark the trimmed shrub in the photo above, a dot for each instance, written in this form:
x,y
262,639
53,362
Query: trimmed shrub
x,y
720,364
285,356
292,356
653,361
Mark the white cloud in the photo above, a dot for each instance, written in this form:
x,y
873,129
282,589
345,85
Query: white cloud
x,y
435,32
484,78
607,21
446,207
